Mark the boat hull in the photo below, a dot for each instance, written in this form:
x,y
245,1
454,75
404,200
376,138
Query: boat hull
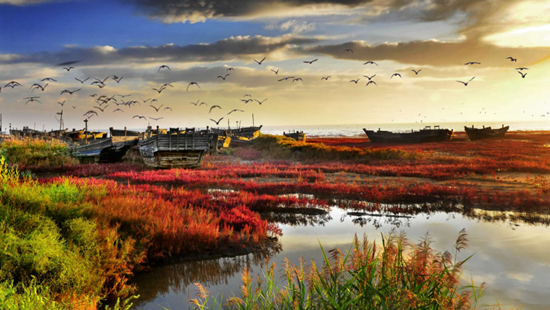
x,y
422,136
102,150
485,133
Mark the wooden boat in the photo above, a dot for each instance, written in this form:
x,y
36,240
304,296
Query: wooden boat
x,y
485,132
174,148
26,132
81,135
240,135
97,147
424,135
296,135
124,133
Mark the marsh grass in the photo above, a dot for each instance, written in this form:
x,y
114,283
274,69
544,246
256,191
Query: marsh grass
x,y
36,154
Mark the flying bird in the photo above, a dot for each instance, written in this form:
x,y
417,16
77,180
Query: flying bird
x,y
259,62
311,61
213,107
68,68
117,79
82,81
230,69
101,109
144,100
203,103
195,103
32,99
61,103
156,119
472,63
355,81
260,102
466,83
49,80
522,75
223,77
371,82
247,95
247,100
164,67
192,83
395,74
168,108
276,72
118,110
284,79
325,78
90,112
12,84
349,50
512,59
416,71
123,96
218,121
69,92
370,63
235,110
156,109
522,68
139,116
369,77
38,86
159,90
297,79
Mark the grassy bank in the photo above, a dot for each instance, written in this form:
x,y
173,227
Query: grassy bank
x,y
36,154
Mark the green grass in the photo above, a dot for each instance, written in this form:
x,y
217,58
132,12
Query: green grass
x,y
36,154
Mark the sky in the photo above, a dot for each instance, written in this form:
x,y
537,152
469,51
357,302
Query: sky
x,y
201,40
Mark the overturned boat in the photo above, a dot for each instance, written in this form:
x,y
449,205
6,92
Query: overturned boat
x,y
296,135
485,132
100,148
423,135
174,148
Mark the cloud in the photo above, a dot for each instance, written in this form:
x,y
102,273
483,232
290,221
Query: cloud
x,y
292,26
233,48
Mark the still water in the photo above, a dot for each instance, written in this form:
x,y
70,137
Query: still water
x,y
512,258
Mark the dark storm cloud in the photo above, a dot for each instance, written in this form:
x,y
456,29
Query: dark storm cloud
x,y
223,50
433,53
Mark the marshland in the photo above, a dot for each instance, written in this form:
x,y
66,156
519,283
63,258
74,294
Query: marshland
x,y
280,223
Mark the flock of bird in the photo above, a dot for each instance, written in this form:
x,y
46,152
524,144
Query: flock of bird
x,y
102,102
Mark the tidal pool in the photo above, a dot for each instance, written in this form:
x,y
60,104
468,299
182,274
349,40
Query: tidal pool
x,y
512,258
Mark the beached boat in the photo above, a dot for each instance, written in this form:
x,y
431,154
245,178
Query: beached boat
x,y
174,148
485,132
100,148
296,135
424,135
240,135
26,132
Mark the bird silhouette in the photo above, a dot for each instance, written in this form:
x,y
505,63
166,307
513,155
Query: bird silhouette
x,y
82,81
74,107
195,103
466,83
259,62
371,82
213,107
522,68
370,63
164,67
218,121
247,100
48,79
168,108
311,61
234,110
286,78
325,78
260,102
192,83
230,69
297,79
416,71
118,110
66,91
247,95
139,116
156,119
223,77
369,77
472,63
90,112
68,68
395,74
61,103
159,90
349,50
522,75
512,59
203,103
101,109
12,84
32,99
123,96
144,100
117,80
38,86
156,109
276,72
355,81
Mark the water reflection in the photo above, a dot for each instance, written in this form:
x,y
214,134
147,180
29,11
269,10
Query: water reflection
x,y
510,253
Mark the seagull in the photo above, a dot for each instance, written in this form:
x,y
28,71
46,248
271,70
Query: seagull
x,y
168,108
49,79
38,86
144,101
12,84
416,71
349,50
247,100
195,103
94,95
164,67
159,90
370,63
90,112
192,83
259,62
247,95
369,77
123,96
230,69
395,74
276,72
203,103
325,78
522,75
68,69
371,82
117,80
355,81
260,102
223,77
218,121
512,59
284,79
213,107
61,103
235,110
69,92
156,109
32,99
101,109
117,110
74,107
473,63
156,119
310,62
466,83
139,116
82,81
522,68
166,85
297,79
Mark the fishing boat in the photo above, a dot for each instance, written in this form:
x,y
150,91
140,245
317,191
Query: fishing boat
x,y
296,135
485,132
174,148
100,148
240,135
423,135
